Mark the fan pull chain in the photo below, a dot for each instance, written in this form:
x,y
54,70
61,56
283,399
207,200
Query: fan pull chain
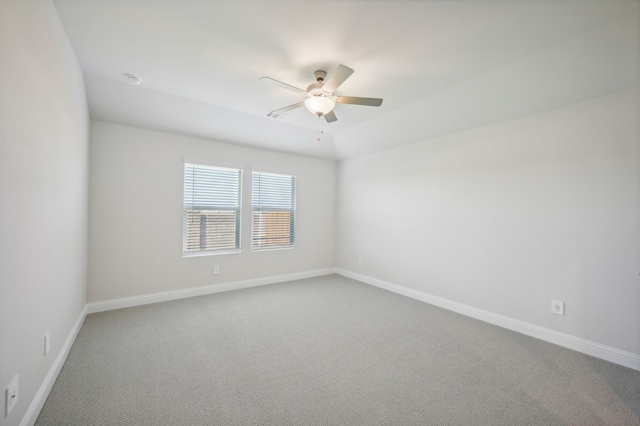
x,y
321,129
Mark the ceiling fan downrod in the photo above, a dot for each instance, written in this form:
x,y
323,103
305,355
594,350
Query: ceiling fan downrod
x,y
320,75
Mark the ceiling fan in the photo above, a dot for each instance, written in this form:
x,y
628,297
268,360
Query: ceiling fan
x,y
320,95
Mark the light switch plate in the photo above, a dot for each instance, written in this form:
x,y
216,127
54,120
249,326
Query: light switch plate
x,y
11,395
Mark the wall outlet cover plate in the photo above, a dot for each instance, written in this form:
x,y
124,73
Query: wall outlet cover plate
x,y
557,307
47,342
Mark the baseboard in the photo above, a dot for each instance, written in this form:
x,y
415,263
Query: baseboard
x,y
38,401
127,302
607,353
588,347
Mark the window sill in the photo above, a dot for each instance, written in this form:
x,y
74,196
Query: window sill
x,y
210,253
272,249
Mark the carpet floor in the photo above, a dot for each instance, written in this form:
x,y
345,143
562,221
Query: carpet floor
x,y
326,351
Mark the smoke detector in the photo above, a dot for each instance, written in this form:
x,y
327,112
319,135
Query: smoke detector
x,y
132,79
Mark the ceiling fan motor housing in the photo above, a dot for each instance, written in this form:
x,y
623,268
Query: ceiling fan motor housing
x,y
315,89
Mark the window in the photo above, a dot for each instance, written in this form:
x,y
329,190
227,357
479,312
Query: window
x,y
211,217
274,211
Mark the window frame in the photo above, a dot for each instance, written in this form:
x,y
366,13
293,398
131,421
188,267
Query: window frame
x,y
292,210
237,208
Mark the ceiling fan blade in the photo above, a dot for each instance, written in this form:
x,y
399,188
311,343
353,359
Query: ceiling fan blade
x,y
359,101
330,117
337,78
288,108
285,85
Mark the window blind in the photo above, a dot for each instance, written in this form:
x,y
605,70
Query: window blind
x,y
274,211
212,209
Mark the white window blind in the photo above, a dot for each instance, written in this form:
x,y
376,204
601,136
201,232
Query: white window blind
x,y
212,200
274,211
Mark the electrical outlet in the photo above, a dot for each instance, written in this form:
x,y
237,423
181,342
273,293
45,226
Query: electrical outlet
x,y
11,395
359,261
216,269
557,307
47,342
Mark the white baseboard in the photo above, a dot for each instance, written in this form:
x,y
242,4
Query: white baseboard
x,y
127,302
588,347
38,401
598,350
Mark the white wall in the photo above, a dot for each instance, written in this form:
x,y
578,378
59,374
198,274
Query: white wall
x,y
43,194
136,213
507,217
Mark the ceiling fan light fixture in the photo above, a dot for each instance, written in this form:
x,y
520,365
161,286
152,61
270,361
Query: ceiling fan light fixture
x,y
319,105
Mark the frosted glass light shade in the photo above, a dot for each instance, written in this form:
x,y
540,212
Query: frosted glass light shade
x,y
319,105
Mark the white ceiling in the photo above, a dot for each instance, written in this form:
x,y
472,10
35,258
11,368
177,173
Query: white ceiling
x,y
441,66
